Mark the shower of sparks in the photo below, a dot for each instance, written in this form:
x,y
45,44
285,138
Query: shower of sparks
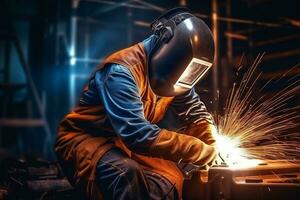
x,y
252,130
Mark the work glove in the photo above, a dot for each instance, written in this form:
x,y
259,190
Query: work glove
x,y
203,130
206,132
184,148
188,169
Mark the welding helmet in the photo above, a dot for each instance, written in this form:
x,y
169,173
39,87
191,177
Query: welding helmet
x,y
182,54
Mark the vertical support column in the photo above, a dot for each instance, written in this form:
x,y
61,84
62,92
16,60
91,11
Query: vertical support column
x,y
6,75
6,71
73,32
6,79
129,26
57,34
229,29
183,2
227,69
73,41
87,44
72,53
215,71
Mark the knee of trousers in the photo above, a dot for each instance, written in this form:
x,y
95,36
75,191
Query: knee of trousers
x,y
131,169
122,168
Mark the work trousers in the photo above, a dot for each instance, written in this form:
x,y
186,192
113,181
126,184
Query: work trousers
x,y
120,177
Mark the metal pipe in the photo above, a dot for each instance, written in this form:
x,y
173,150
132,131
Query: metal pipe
x,y
6,70
215,75
110,8
282,54
141,23
229,54
123,4
232,35
148,6
151,6
276,40
240,21
129,26
73,33
183,2
87,43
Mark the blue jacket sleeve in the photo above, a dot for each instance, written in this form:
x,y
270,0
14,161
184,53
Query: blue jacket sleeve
x,y
120,97
190,109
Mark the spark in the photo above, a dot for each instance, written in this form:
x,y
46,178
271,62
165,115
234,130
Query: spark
x,y
252,130
233,154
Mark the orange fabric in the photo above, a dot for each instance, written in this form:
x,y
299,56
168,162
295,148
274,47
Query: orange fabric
x,y
175,146
79,149
202,130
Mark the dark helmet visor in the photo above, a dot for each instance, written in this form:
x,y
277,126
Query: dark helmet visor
x,y
196,69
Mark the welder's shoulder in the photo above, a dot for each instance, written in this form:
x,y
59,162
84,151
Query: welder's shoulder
x,y
113,72
117,68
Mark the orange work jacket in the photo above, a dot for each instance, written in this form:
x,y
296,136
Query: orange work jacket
x,y
79,151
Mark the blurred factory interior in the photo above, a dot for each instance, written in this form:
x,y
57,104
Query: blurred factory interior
x,y
48,48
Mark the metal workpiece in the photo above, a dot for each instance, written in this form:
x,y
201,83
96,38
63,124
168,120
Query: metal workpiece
x,y
272,180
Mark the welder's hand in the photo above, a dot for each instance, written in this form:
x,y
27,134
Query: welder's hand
x,y
208,154
204,131
214,156
175,146
187,169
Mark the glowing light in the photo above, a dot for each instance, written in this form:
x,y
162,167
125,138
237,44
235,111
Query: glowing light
x,y
189,24
196,38
72,50
72,61
233,155
193,73
252,130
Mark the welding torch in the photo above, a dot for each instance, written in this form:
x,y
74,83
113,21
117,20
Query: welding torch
x,y
220,160
188,169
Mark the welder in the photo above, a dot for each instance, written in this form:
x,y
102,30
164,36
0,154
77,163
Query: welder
x,y
115,144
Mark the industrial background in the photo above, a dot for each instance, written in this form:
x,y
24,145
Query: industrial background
x,y
48,48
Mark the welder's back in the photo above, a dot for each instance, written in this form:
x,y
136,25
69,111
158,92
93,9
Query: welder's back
x,y
86,134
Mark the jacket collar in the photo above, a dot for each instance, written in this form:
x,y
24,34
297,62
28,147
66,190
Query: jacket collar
x,y
149,44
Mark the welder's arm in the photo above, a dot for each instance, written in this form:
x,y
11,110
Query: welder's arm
x,y
194,116
119,94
